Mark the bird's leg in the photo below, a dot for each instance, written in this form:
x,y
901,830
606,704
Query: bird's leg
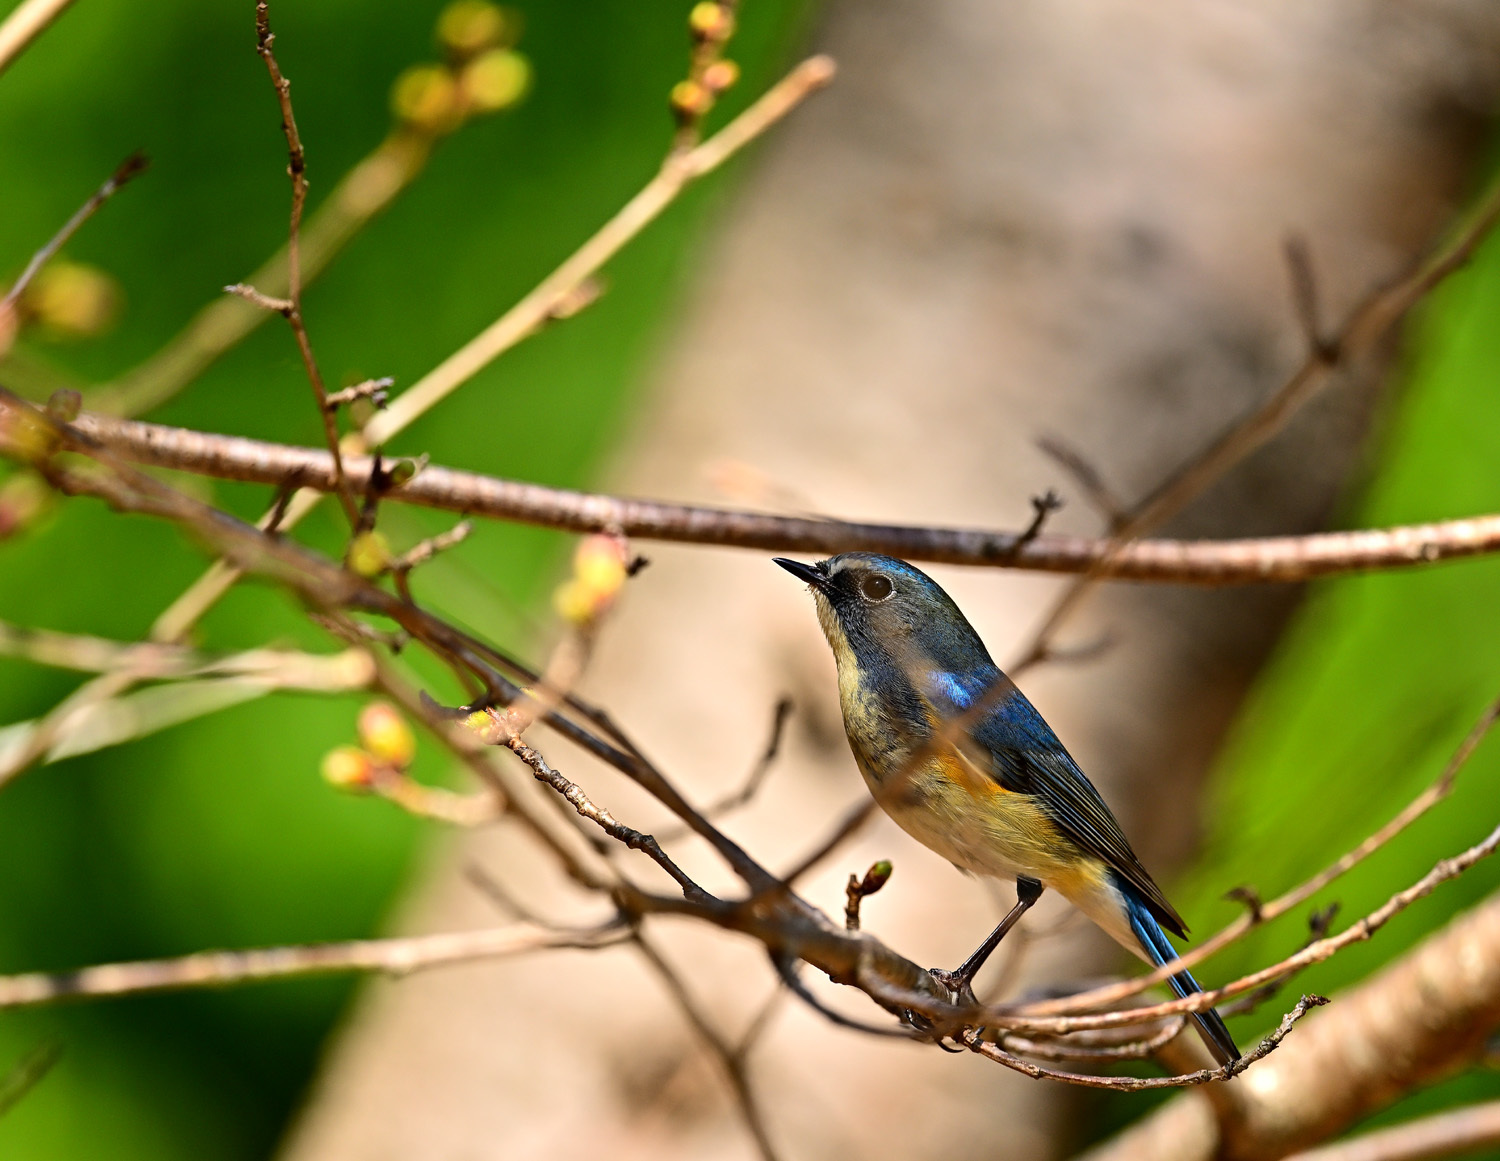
x,y
1028,891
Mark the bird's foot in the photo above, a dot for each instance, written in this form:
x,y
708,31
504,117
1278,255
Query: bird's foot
x,y
960,987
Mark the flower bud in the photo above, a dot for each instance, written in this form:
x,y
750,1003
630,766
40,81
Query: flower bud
x,y
711,21
369,554
876,877
426,97
468,27
73,300
348,768
26,436
23,498
64,404
720,75
385,735
495,80
690,100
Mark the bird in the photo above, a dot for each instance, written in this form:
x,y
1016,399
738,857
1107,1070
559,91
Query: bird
x,y
958,757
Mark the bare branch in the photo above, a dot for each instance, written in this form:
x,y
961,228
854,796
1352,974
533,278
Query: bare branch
x,y
1204,562
1415,1021
1142,1084
297,170
1366,326
395,956
731,1059
131,167
28,1073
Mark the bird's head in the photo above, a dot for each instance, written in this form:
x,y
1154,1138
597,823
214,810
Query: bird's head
x,y
868,603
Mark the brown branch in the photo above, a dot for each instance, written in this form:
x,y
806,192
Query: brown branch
x,y
1420,1018
215,968
26,22
297,170
633,839
131,167
1145,1084
1204,562
1458,1131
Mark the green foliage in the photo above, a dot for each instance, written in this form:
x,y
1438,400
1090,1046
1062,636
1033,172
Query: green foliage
x,y
220,832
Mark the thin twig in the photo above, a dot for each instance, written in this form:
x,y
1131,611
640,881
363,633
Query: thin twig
x,y
634,839
395,956
297,170
375,390
1141,1084
754,781
131,167
731,1060
281,306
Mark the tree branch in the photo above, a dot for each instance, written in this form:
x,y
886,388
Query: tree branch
x,y
1204,562
1447,1134
1420,1018
396,956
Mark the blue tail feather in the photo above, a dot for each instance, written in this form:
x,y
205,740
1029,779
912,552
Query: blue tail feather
x,y
1160,950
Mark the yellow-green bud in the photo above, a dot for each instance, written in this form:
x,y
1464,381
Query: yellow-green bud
x,y
495,80
690,100
385,735
711,21
23,498
72,299
27,436
369,554
467,27
426,97
64,404
348,768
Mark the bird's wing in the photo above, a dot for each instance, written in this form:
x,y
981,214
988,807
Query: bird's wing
x,y
1016,747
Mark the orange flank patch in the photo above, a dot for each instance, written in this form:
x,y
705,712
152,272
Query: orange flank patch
x,y
955,768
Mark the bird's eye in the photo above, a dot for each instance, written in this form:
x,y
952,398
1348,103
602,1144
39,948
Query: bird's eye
x,y
876,587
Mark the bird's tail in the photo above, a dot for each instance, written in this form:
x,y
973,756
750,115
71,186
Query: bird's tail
x,y
1159,951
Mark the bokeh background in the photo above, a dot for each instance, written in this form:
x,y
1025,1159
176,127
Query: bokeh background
x,y
1005,221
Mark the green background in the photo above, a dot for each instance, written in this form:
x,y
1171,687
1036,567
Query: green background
x,y
220,833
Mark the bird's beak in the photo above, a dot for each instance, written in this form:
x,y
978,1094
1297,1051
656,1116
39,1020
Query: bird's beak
x,y
810,573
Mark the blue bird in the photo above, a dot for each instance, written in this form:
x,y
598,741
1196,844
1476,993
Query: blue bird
x,y
957,756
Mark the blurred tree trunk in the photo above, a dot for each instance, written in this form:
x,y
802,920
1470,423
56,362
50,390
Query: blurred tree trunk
x,y
1005,221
